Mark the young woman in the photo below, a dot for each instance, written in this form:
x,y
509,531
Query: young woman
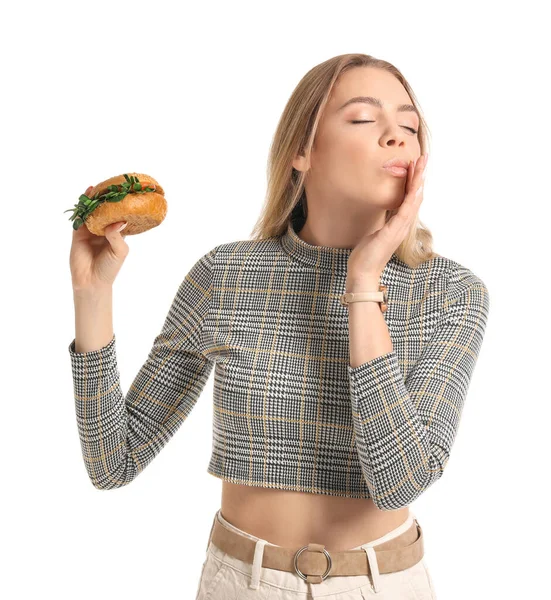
x,y
333,410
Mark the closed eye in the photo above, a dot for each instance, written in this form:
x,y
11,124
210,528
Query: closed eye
x,y
414,131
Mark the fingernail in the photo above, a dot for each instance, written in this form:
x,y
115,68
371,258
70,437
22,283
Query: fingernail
x,y
122,227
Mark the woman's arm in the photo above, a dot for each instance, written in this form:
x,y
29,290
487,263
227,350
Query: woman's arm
x,y
121,435
405,429
366,316
93,319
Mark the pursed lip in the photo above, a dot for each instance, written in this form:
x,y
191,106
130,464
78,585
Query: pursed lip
x,y
396,162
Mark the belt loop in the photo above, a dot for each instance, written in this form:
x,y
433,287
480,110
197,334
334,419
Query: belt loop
x,y
373,567
257,563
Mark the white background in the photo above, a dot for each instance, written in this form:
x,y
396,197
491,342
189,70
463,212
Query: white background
x,y
192,93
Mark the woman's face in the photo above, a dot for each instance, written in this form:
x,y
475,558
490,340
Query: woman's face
x,y
347,157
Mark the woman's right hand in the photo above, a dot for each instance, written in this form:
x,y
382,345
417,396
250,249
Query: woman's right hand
x,y
96,260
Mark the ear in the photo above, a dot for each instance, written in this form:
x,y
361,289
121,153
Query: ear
x,y
300,163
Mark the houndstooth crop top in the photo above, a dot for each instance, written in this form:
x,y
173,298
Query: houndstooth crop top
x,y
289,410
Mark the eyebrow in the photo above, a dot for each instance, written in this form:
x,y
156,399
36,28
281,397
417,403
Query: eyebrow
x,y
376,102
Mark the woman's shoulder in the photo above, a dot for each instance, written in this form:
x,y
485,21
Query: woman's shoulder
x,y
462,277
244,248
462,282
246,245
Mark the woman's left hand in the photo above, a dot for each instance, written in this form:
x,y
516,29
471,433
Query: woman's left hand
x,y
370,256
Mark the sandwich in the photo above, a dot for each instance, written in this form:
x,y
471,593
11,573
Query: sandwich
x,y
135,198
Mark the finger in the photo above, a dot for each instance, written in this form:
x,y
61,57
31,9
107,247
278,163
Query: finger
x,y
416,180
409,208
82,232
421,181
420,171
411,172
413,203
413,197
114,237
418,197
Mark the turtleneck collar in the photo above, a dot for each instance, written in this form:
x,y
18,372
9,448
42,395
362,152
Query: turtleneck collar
x,y
320,257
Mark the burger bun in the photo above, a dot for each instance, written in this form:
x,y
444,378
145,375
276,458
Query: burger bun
x,y
141,211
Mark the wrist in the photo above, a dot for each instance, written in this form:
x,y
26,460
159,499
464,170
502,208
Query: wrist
x,y
364,283
92,293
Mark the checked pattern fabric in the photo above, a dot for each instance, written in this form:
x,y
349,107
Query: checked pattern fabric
x,y
289,412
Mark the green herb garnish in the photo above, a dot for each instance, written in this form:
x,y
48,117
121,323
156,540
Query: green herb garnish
x,y
115,194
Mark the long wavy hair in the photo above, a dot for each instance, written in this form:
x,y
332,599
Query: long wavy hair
x,y
295,134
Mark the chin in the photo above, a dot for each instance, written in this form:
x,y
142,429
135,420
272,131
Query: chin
x,y
389,199
395,196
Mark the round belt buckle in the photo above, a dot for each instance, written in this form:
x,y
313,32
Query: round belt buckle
x,y
301,574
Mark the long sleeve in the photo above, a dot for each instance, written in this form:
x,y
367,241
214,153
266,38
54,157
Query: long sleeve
x,y
405,429
120,436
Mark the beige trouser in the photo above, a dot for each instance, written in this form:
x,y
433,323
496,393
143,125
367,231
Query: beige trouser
x,y
225,577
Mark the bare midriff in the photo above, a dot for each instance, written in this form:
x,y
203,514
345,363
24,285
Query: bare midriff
x,y
294,519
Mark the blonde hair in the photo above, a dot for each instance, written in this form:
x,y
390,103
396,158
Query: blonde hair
x,y
295,133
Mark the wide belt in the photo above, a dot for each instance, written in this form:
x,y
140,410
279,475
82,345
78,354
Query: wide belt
x,y
314,562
